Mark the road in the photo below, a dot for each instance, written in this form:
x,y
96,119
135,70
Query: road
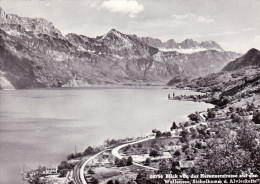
x,y
78,173
115,151
117,155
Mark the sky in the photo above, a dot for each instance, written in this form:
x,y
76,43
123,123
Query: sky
x,y
234,24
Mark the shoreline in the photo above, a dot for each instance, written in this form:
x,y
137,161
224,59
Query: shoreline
x,y
140,138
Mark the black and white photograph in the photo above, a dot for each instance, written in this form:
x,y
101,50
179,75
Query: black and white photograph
x,y
129,91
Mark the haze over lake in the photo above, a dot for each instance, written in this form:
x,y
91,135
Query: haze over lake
x,y
41,127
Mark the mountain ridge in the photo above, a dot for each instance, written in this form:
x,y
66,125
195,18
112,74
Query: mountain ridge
x,y
43,57
171,45
251,58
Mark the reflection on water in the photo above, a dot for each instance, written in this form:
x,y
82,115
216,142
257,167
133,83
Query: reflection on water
x,y
41,127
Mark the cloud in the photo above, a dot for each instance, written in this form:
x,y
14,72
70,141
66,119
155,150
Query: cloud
x,y
215,34
182,17
48,4
253,42
204,19
248,29
92,5
130,7
191,18
230,32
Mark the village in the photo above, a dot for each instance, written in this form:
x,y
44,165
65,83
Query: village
x,y
183,149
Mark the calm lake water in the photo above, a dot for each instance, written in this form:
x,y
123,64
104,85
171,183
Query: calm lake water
x,y
41,127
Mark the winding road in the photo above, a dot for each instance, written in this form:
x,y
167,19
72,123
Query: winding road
x,y
78,173
115,152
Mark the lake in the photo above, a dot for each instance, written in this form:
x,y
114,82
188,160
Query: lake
x,y
41,127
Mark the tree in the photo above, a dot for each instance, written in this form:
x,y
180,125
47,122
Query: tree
x,y
211,114
88,151
141,177
94,180
175,165
154,153
78,155
110,182
120,162
65,165
190,154
184,136
127,147
154,131
250,107
255,156
194,117
256,118
129,161
177,153
168,134
158,134
198,145
140,145
63,172
148,161
184,147
246,136
171,143
163,168
71,156
186,124
90,171
174,126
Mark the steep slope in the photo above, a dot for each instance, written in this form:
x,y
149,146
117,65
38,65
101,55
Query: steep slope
x,y
35,54
251,58
244,79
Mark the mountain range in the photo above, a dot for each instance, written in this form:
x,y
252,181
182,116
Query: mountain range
x,y
241,76
33,54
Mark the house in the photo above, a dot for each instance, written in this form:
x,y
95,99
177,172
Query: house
x,y
173,147
214,131
50,170
186,164
202,117
105,155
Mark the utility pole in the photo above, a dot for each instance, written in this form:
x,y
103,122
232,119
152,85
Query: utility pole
x,y
75,150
